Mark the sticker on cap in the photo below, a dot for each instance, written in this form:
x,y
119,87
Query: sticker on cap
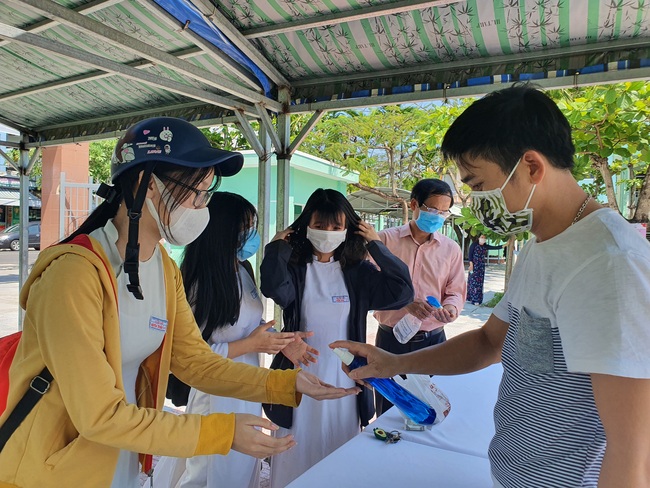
x,y
127,153
166,134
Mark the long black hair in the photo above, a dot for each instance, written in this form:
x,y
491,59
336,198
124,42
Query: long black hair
x,y
187,177
330,205
209,267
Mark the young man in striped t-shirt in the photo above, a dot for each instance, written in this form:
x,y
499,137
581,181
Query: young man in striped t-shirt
x,y
573,329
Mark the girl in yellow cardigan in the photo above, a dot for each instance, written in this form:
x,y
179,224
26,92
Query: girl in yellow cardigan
x,y
106,313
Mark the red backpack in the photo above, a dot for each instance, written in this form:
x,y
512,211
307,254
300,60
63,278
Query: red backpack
x,y
38,386
8,346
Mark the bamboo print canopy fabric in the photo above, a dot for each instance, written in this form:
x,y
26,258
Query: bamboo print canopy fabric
x,y
434,36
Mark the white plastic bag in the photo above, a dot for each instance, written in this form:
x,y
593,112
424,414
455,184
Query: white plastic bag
x,y
426,390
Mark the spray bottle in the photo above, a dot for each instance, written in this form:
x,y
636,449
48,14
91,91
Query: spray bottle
x,y
410,405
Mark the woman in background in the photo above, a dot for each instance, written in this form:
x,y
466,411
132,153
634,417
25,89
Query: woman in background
x,y
317,271
221,290
477,255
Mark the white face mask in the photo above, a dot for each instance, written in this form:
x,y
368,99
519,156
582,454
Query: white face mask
x,y
481,241
326,240
185,224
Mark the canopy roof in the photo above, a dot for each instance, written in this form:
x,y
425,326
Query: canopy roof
x,y
373,203
11,198
78,70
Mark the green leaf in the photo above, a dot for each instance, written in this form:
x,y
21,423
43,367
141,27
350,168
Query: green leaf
x,y
610,96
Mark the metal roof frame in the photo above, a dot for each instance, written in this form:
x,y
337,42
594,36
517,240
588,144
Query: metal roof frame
x,y
368,12
123,41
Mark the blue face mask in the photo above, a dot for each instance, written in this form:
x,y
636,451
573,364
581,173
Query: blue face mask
x,y
250,246
429,222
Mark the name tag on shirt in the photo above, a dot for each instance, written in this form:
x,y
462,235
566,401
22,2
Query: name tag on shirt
x,y
158,324
340,299
254,294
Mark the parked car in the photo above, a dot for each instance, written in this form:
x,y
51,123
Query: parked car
x,y
9,238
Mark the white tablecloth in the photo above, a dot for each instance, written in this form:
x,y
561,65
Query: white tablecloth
x,y
469,427
366,462
452,454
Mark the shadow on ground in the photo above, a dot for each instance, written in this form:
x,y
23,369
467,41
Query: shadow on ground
x,y
12,278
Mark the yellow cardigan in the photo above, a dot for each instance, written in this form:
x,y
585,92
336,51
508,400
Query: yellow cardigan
x,y
74,434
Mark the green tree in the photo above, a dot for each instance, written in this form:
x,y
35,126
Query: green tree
x,y
228,137
385,145
611,133
36,173
99,160
440,119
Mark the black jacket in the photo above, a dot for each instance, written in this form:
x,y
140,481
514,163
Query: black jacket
x,y
368,288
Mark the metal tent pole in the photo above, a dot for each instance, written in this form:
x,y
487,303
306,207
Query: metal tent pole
x,y
25,166
263,196
283,160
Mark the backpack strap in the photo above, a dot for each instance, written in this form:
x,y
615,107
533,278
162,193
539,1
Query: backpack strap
x,y
40,383
38,387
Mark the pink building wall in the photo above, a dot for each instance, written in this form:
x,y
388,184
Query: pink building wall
x,y
72,159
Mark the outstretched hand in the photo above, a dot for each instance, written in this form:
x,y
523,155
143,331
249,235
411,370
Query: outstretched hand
x,y
249,439
310,385
299,352
262,340
381,364
446,314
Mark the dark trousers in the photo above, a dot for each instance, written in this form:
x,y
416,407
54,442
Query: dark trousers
x,y
386,340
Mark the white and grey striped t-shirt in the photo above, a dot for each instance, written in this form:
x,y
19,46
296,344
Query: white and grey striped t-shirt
x,y
576,304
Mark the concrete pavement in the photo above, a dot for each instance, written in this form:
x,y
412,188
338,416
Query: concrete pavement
x,y
472,316
9,290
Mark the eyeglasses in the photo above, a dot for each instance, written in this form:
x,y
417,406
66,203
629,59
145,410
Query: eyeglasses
x,y
445,214
201,197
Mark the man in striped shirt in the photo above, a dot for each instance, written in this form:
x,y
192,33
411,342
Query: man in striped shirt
x,y
573,329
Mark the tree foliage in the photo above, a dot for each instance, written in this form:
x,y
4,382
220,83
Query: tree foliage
x,y
228,137
391,147
380,143
611,132
36,174
99,160
439,122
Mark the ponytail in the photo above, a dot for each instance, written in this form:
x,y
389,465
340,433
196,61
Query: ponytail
x,y
99,217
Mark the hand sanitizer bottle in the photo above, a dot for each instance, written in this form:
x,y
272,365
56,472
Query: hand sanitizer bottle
x,y
406,328
410,405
